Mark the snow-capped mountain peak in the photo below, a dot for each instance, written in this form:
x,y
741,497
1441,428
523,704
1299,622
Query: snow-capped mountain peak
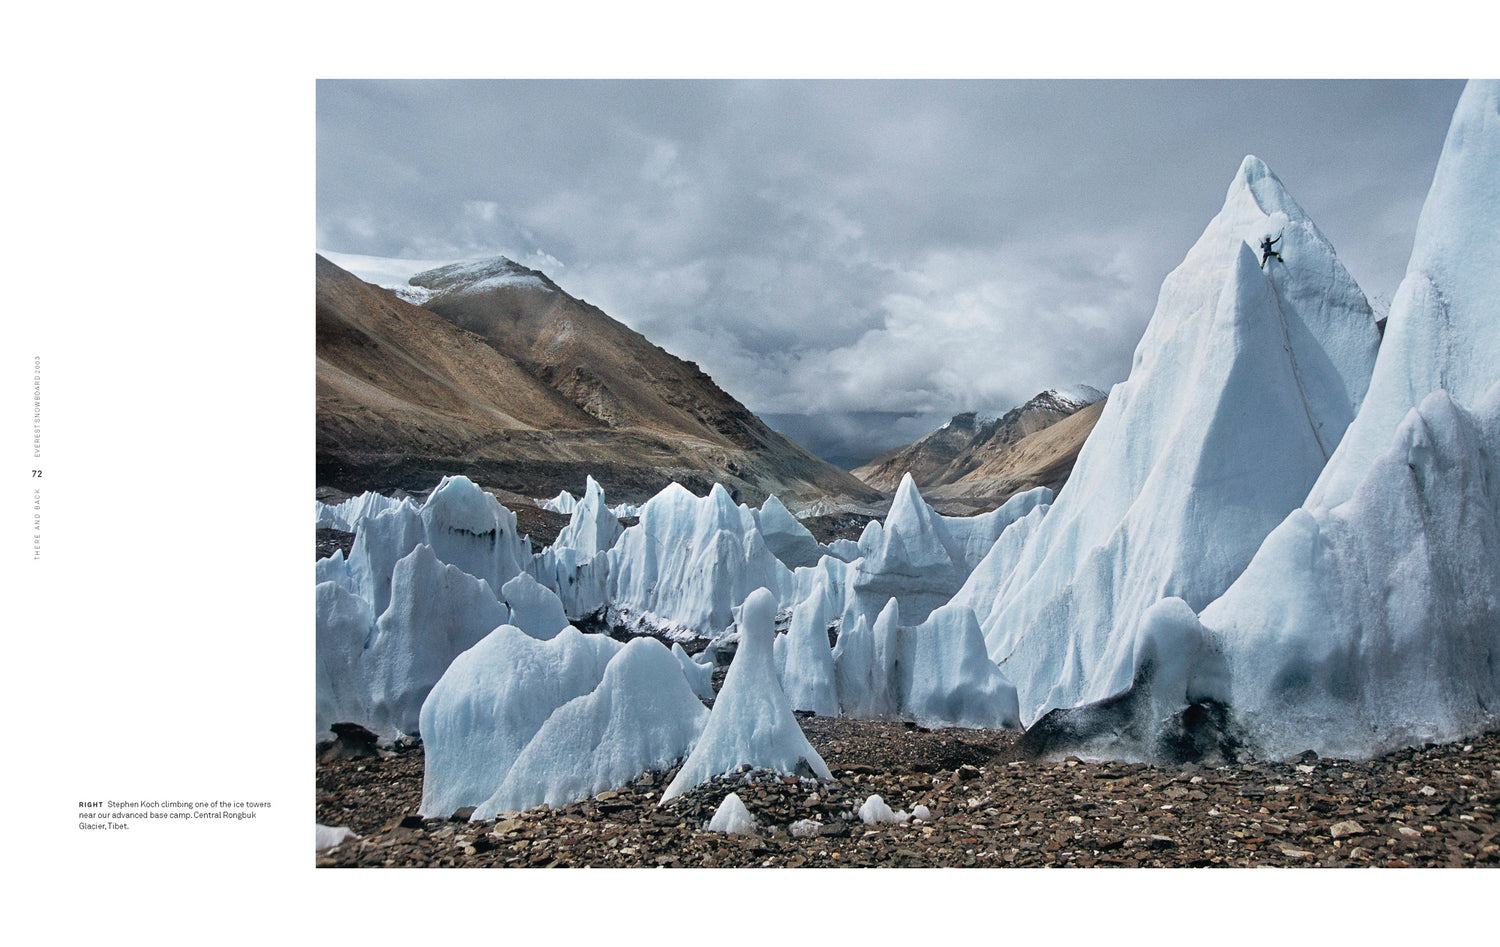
x,y
477,276
1063,399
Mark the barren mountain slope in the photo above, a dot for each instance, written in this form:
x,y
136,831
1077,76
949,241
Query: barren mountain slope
x,y
552,390
975,455
927,458
609,370
1042,459
391,376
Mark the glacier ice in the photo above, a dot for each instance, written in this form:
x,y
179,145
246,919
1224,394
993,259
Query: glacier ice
x,y
329,836
342,685
1375,624
944,677
936,673
565,503
1243,383
592,528
535,609
582,587
1170,713
805,828
787,539
491,701
377,671
699,676
379,543
970,538
752,721
1370,618
426,576
830,580
846,550
468,528
465,526
922,558
1443,330
350,513
574,566
437,612
689,561
862,660
732,817
335,569
874,811
910,561
979,591
642,717
804,660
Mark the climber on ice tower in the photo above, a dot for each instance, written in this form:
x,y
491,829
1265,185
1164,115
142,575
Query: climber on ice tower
x,y
1267,251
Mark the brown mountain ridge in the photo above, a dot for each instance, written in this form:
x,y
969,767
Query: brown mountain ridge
x,y
982,461
502,376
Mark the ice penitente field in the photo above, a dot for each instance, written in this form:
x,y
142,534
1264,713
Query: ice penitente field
x,y
1280,541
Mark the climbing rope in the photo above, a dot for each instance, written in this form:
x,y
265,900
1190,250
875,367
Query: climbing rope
x,y
1286,337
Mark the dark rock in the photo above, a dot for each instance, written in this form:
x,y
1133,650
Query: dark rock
x,y
330,541
407,744
350,742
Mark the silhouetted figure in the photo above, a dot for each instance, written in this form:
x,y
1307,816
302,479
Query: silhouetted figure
x,y
1267,251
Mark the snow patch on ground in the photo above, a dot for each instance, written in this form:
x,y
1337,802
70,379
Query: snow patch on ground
x,y
329,836
732,817
874,811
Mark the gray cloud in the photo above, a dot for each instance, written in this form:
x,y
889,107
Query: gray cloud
x,y
850,438
880,246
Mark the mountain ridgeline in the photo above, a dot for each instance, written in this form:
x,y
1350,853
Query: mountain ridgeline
x,y
991,457
503,376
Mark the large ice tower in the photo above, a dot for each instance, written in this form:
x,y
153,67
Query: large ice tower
x,y
1370,619
1241,387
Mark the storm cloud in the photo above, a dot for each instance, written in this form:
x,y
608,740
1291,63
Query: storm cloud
x,y
866,249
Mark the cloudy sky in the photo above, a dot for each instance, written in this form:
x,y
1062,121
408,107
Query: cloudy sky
x,y
876,255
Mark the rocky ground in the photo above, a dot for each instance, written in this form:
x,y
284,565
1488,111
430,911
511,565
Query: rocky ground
x,y
990,807
331,541
830,526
